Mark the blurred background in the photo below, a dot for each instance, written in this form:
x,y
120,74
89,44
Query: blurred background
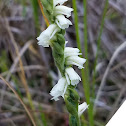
x,y
98,30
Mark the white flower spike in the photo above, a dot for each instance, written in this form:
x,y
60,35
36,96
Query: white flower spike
x,y
71,76
55,2
81,108
58,10
59,89
62,22
72,58
47,35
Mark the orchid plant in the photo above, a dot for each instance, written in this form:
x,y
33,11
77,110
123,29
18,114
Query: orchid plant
x,y
64,57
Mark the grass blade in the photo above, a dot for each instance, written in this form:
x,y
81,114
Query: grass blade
x,y
35,12
76,24
84,72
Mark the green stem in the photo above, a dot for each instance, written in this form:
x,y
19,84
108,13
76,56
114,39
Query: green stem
x,y
76,24
35,13
71,96
86,72
98,45
71,100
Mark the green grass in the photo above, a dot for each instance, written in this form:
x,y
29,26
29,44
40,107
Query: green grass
x,y
35,13
43,118
76,24
86,82
23,2
3,61
84,72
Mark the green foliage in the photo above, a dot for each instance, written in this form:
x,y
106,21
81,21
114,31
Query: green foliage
x,y
61,40
3,61
58,52
35,12
85,73
48,9
71,100
24,7
86,83
73,121
43,118
76,24
16,81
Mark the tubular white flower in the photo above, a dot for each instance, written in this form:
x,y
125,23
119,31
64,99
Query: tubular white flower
x,y
72,58
71,76
81,108
55,2
58,10
75,60
47,35
59,89
62,22
69,51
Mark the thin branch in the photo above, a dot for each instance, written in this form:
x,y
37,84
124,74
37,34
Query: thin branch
x,y
117,51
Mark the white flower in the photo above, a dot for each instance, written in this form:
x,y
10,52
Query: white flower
x,y
81,108
62,22
55,2
75,60
72,58
47,35
69,51
58,10
71,76
59,89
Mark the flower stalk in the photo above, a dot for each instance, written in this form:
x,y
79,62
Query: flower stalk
x,y
64,57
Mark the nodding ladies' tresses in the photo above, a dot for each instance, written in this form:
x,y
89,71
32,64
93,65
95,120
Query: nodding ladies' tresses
x,y
64,57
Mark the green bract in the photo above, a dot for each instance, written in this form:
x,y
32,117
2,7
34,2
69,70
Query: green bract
x,y
58,52
48,9
71,100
